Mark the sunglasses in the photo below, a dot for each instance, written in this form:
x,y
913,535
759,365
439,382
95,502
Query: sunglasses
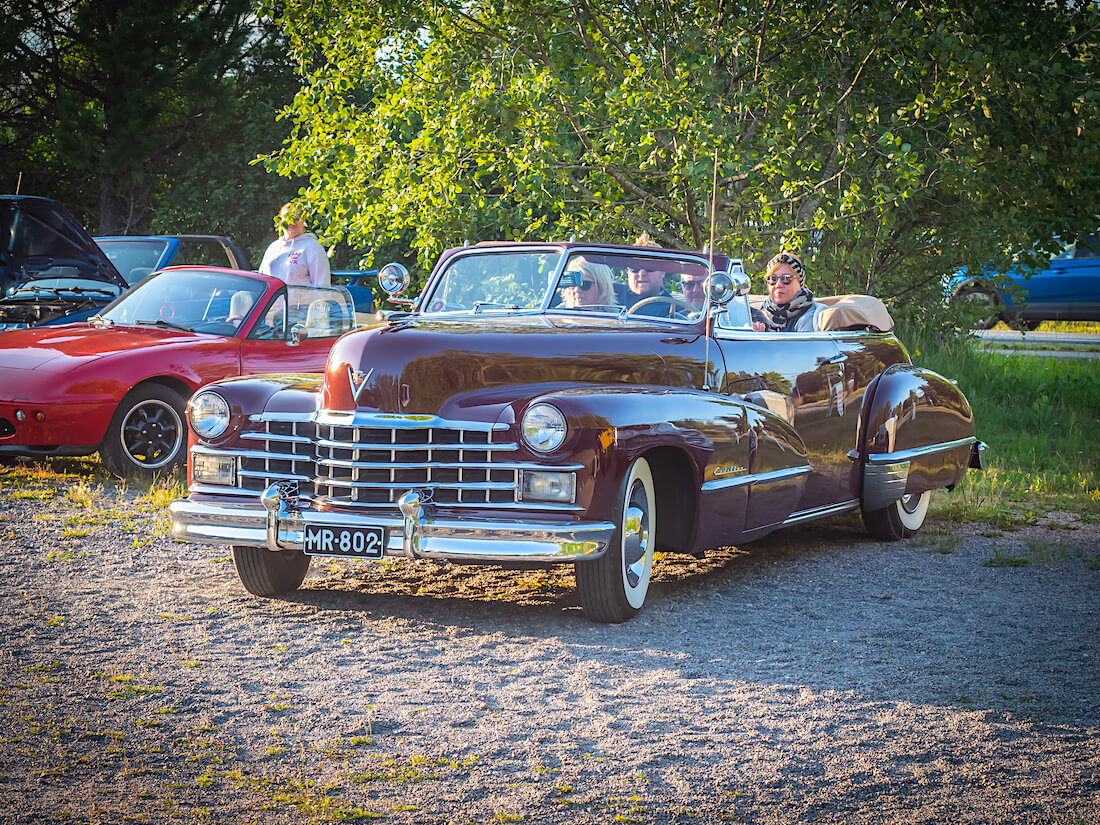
x,y
691,285
587,284
771,279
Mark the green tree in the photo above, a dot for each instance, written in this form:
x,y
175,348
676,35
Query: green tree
x,y
97,97
890,141
213,184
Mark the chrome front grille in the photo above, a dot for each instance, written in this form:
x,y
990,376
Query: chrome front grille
x,y
371,460
373,465
284,452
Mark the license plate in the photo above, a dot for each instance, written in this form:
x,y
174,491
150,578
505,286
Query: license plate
x,y
356,542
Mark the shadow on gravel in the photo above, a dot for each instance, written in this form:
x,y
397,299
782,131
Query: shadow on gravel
x,y
405,588
821,607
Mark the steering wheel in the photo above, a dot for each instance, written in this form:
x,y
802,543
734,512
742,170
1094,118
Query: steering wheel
x,y
167,312
667,299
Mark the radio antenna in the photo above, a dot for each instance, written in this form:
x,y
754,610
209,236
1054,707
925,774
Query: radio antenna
x,y
706,295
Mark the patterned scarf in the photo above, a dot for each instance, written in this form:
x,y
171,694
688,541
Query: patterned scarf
x,y
782,317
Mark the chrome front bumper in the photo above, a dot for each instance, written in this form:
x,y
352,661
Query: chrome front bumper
x,y
279,518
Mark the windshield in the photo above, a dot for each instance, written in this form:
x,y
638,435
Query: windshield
x,y
500,280
654,283
190,300
136,260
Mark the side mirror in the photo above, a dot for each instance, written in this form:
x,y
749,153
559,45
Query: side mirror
x,y
296,335
394,279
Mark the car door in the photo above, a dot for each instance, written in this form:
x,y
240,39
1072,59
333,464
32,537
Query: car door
x,y
295,340
804,373
1074,282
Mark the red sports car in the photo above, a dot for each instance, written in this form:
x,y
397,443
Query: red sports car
x,y
119,384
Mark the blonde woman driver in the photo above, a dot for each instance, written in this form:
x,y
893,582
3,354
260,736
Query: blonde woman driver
x,y
596,287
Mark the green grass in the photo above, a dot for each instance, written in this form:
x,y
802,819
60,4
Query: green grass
x,y
1038,417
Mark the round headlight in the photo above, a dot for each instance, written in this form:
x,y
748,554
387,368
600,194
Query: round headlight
x,y
209,414
544,427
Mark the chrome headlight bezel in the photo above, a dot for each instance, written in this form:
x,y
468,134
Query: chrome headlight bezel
x,y
544,427
209,414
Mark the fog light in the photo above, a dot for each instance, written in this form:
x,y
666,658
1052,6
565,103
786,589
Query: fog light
x,y
213,469
39,416
20,415
560,488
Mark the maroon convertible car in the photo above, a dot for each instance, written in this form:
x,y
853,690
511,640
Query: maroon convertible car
x,y
494,423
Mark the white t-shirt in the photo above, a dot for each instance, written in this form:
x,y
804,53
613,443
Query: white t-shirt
x,y
300,260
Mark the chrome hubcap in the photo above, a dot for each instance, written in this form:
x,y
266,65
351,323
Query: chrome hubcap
x,y
635,536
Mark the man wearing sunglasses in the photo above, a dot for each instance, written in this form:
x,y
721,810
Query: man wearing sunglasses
x,y
790,306
692,284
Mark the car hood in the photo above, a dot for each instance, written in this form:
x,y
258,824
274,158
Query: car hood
x,y
430,366
40,239
60,349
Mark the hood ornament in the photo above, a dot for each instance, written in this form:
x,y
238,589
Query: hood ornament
x,y
358,380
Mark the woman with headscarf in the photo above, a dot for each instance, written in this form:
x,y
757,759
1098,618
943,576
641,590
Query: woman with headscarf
x,y
790,306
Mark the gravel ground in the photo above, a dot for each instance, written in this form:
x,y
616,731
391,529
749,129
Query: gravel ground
x,y
814,676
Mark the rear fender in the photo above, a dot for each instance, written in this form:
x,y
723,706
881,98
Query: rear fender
x,y
916,434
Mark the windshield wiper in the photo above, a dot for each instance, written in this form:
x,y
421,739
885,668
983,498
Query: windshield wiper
x,y
160,322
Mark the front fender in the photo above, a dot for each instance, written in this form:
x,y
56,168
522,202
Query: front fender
x,y
917,434
710,456
298,395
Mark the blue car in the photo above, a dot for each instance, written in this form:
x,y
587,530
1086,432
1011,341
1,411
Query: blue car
x,y
138,256
1069,290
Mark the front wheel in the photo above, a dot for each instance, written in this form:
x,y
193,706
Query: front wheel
x,y
147,433
898,520
613,587
265,572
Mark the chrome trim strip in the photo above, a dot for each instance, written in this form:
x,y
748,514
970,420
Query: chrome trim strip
x,y
917,452
284,417
261,455
454,465
820,512
500,486
393,421
255,435
756,478
361,446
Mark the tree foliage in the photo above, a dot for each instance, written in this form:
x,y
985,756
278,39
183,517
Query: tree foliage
x,y
890,141
100,98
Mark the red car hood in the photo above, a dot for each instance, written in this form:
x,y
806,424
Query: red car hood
x,y
59,349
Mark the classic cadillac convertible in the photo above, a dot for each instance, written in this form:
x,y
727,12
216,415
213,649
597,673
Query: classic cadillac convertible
x,y
499,422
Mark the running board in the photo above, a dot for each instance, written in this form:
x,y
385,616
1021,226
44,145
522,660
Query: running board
x,y
820,512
